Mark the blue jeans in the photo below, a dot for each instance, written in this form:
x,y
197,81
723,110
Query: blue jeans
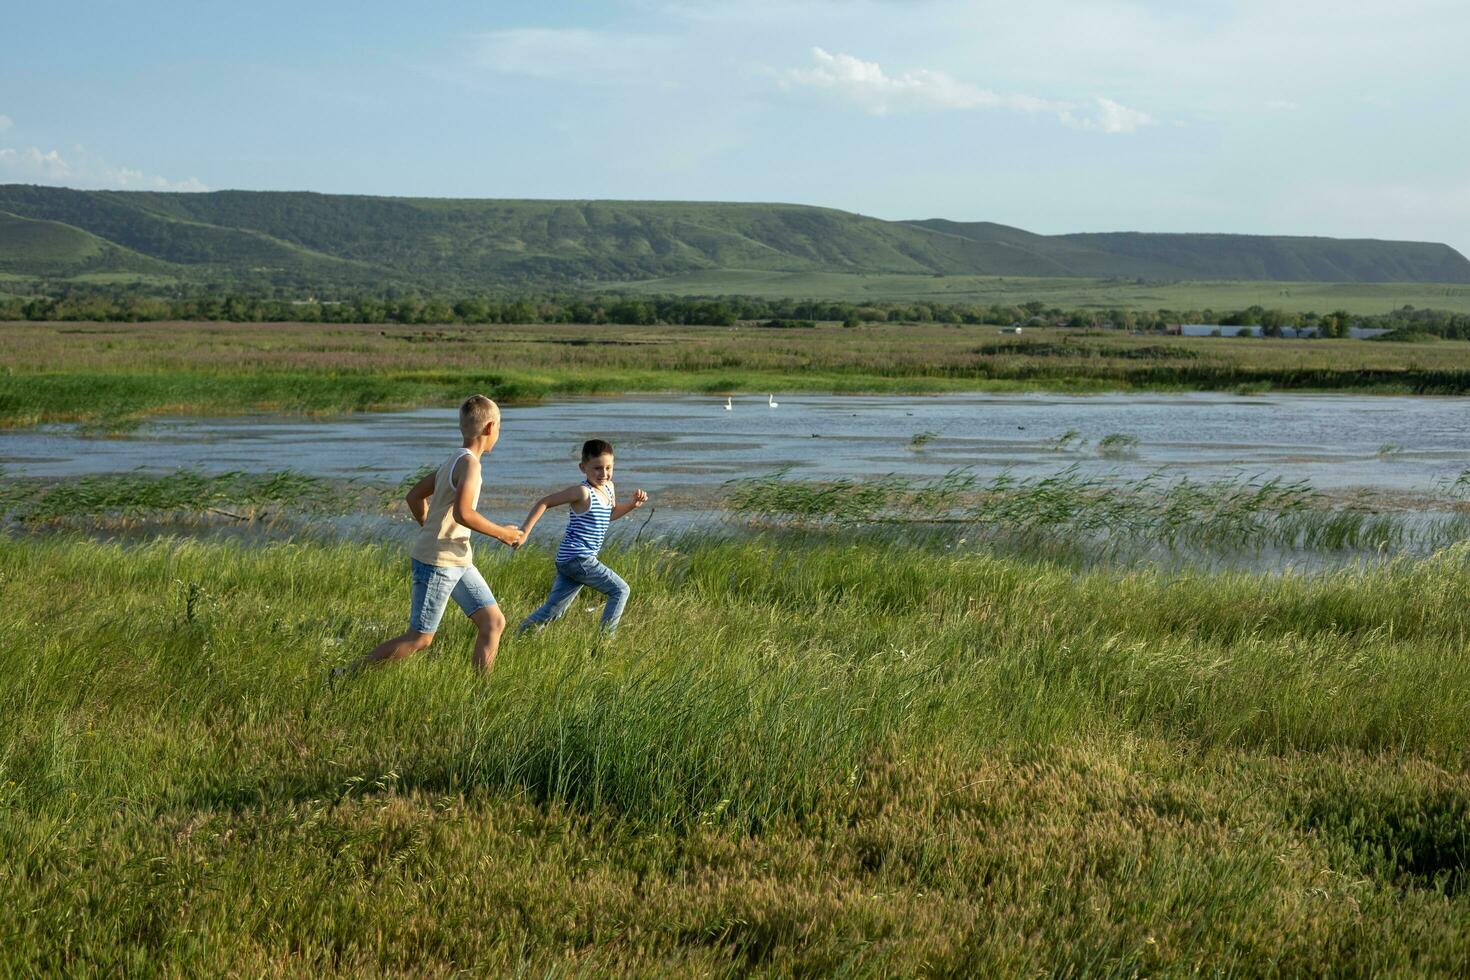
x,y
435,585
571,575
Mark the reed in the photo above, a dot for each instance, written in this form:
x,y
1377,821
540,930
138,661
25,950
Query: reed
x,y
1117,444
1233,514
123,496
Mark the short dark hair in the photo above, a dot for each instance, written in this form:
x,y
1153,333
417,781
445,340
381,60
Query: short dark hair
x,y
593,448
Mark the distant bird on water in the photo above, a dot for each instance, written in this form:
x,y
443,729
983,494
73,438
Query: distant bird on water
x,y
728,406
771,401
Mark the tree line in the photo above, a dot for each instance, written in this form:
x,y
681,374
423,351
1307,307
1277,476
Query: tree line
x,y
128,305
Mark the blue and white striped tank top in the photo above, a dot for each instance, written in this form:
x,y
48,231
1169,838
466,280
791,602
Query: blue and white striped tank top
x,y
586,531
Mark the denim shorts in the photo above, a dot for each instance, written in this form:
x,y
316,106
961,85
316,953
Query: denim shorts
x,y
435,585
571,575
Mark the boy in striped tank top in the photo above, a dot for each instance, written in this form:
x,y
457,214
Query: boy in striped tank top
x,y
593,506
444,504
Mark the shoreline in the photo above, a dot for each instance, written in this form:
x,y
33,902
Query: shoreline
x,y
305,404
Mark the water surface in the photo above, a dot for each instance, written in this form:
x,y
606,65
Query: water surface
x,y
687,446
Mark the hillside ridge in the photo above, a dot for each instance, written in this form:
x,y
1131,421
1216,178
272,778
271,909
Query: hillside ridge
x,y
311,240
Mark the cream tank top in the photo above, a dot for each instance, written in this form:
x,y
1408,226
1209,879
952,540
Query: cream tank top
x,y
443,540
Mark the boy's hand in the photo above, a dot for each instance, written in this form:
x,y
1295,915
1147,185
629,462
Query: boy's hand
x,y
639,499
513,536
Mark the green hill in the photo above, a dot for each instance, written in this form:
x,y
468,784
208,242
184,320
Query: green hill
x,y
1276,258
318,240
36,247
1283,258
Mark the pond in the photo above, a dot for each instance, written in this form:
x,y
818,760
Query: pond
x,y
688,446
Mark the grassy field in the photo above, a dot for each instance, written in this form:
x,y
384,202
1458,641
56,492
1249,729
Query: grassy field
x,y
114,373
1127,294
814,753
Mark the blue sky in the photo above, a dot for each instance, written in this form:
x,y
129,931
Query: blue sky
x,y
1340,118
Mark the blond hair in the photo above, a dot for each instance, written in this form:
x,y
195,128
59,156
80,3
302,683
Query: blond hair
x,y
474,413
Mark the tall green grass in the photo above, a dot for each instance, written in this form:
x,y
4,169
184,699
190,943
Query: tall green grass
x,y
801,753
135,495
1238,513
1097,517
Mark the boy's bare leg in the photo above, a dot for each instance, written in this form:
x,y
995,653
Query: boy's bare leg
x,y
397,648
489,624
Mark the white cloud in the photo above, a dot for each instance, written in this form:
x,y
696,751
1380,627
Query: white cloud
x,y
5,123
31,163
865,83
129,179
1174,56
1109,117
868,85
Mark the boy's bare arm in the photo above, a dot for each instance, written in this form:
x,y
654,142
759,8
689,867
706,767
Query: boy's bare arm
x,y
622,510
418,499
465,513
570,495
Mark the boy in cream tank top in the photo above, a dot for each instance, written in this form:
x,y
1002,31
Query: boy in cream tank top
x,y
444,504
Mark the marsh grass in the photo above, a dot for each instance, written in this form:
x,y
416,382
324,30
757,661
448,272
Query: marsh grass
x,y
1067,440
802,754
1096,517
1240,513
50,373
1459,488
132,496
1117,444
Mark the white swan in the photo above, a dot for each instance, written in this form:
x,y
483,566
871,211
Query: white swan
x,y
728,406
771,401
